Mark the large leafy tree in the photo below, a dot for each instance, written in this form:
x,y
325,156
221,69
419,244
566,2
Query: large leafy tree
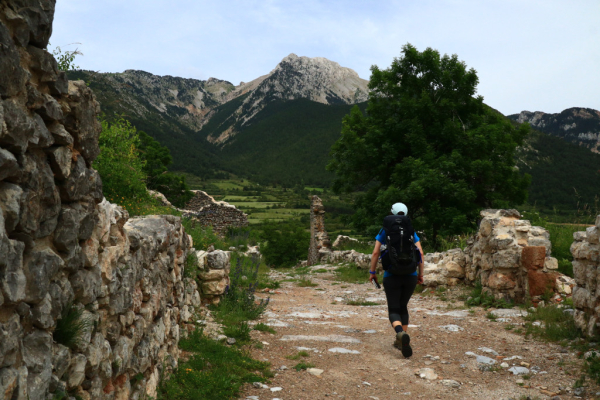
x,y
428,141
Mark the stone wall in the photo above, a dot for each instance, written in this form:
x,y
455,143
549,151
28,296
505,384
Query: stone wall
x,y
319,240
62,247
510,257
586,264
444,269
218,214
213,270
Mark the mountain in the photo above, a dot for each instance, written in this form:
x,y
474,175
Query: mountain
x,y
577,125
211,125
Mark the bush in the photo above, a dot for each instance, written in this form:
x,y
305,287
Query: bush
x,y
202,236
71,327
285,245
238,304
119,163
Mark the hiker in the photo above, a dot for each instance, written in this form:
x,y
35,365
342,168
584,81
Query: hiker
x,y
399,248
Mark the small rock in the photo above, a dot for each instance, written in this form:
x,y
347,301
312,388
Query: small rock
x,y
504,365
488,350
485,360
343,351
524,364
231,341
427,373
221,337
451,328
518,370
451,383
366,383
314,371
276,389
519,381
580,391
283,368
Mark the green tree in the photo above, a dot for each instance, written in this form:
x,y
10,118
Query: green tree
x,y
286,244
427,140
157,159
119,162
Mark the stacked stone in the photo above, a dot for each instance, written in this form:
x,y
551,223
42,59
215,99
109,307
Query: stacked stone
x,y
510,257
347,256
319,240
219,215
200,199
213,267
62,246
586,295
343,240
444,269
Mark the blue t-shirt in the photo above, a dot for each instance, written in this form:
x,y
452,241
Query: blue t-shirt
x,y
381,238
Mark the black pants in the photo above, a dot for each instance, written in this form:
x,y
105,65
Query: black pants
x,y
398,289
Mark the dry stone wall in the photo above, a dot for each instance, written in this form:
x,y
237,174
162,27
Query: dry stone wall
x,y
586,264
63,247
510,257
218,214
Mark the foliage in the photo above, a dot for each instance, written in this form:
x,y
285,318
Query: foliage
x,y
428,141
305,282
202,236
556,324
191,266
301,353
214,371
66,59
239,304
157,159
119,163
285,245
71,327
240,331
302,365
478,297
264,328
592,367
352,273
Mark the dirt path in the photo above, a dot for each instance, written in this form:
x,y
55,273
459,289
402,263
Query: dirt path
x,y
317,320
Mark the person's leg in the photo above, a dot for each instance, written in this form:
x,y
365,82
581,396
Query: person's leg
x,y
406,291
392,287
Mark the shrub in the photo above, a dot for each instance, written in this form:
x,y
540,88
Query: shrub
x,y
556,324
202,236
264,328
71,327
285,245
239,304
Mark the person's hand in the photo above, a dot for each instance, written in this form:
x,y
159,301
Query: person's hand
x,y
372,277
420,279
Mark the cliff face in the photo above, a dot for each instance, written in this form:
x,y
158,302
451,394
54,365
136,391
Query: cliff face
x,y
577,125
66,251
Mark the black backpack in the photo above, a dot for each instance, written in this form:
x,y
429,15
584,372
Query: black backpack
x,y
399,257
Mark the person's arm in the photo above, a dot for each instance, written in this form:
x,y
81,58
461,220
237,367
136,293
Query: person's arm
x,y
374,258
421,264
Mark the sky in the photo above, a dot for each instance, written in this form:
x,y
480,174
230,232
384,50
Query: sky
x,y
535,55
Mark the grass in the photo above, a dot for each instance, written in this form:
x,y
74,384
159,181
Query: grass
x,y
320,271
419,288
304,282
359,301
264,328
214,371
191,266
71,327
478,297
353,274
491,317
297,356
240,332
557,325
302,365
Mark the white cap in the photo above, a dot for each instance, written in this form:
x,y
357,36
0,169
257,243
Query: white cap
x,y
398,208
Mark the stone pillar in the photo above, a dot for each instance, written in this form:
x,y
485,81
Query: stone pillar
x,y
319,240
586,294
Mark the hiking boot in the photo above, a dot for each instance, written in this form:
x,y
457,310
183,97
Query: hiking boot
x,y
403,344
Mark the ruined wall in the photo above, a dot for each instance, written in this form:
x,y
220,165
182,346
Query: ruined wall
x,y
63,247
319,240
511,257
586,264
218,214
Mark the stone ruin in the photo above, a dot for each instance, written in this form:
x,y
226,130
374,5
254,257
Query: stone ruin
x,y
319,239
220,215
586,264
511,259
63,246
